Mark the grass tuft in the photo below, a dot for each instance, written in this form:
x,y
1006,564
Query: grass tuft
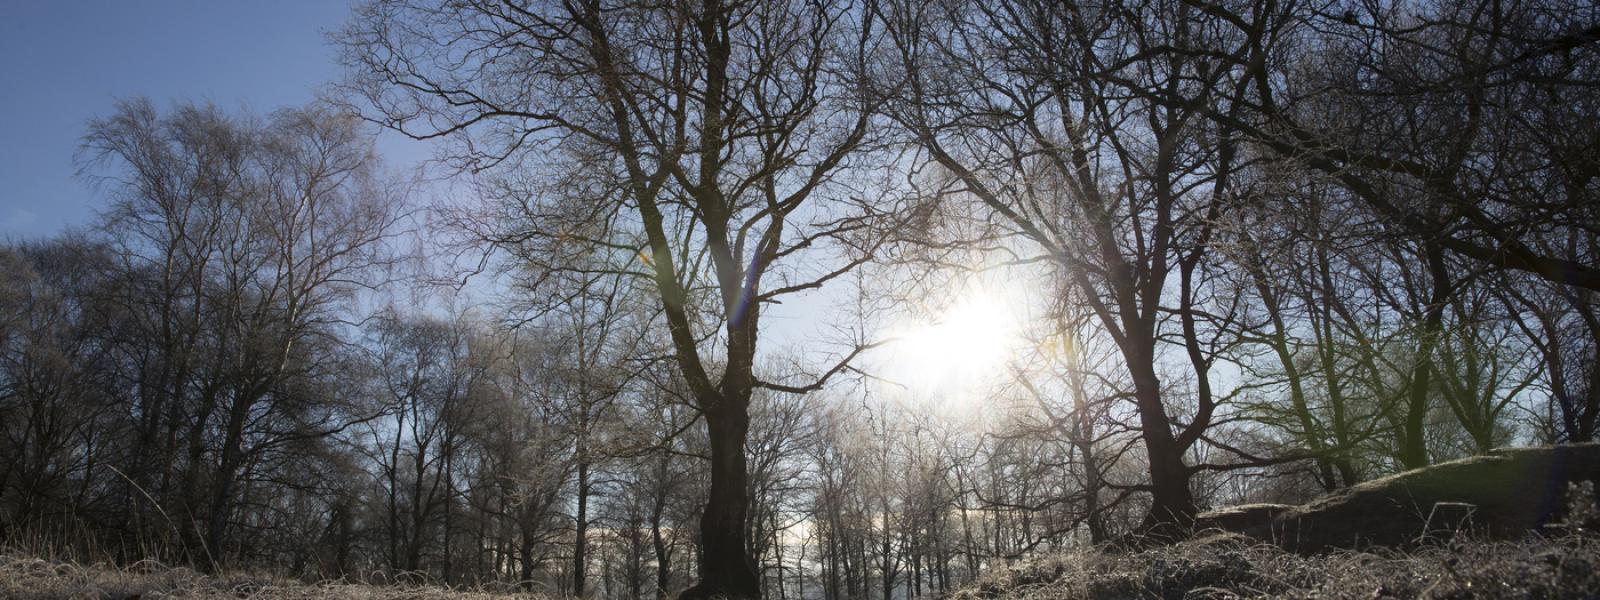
x,y
28,578
1230,567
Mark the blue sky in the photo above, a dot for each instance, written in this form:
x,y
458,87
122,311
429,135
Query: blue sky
x,y
64,62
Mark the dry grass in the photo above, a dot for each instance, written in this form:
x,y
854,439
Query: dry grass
x,y
27,578
1233,567
1216,568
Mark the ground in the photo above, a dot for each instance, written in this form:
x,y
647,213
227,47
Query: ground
x,y
28,578
1235,567
1226,566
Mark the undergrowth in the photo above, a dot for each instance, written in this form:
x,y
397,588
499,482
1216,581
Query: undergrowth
x,y
1229,567
1216,567
29,578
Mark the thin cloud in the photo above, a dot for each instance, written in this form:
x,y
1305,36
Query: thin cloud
x,y
18,220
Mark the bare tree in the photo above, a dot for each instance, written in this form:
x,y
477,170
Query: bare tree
x,y
1469,125
1031,110
237,241
698,147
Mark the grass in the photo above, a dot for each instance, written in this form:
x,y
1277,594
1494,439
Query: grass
x,y
1235,567
1218,567
28,578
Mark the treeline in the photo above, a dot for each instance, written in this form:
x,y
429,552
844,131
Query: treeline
x,y
1280,248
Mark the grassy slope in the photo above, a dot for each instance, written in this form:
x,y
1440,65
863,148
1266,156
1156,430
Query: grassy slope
x,y
26,578
1232,567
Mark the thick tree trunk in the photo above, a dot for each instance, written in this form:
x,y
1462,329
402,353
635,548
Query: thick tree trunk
x,y
525,560
1414,448
1172,506
726,569
1582,420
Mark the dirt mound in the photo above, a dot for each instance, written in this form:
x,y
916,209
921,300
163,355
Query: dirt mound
x,y
1504,494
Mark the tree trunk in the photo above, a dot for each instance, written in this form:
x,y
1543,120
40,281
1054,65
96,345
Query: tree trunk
x,y
726,569
1327,355
663,554
227,471
580,545
525,560
1414,447
1172,506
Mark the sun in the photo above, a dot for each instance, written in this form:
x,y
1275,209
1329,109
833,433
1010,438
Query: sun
x,y
958,351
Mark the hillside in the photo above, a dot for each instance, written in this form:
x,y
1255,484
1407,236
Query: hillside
x,y
1503,495
1234,567
1527,531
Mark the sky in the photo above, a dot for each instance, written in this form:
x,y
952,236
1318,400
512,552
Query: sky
x,y
64,62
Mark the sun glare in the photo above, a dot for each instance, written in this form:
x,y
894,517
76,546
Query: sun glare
x,y
958,351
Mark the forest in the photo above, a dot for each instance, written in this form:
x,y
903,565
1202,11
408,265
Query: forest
x,y
807,298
